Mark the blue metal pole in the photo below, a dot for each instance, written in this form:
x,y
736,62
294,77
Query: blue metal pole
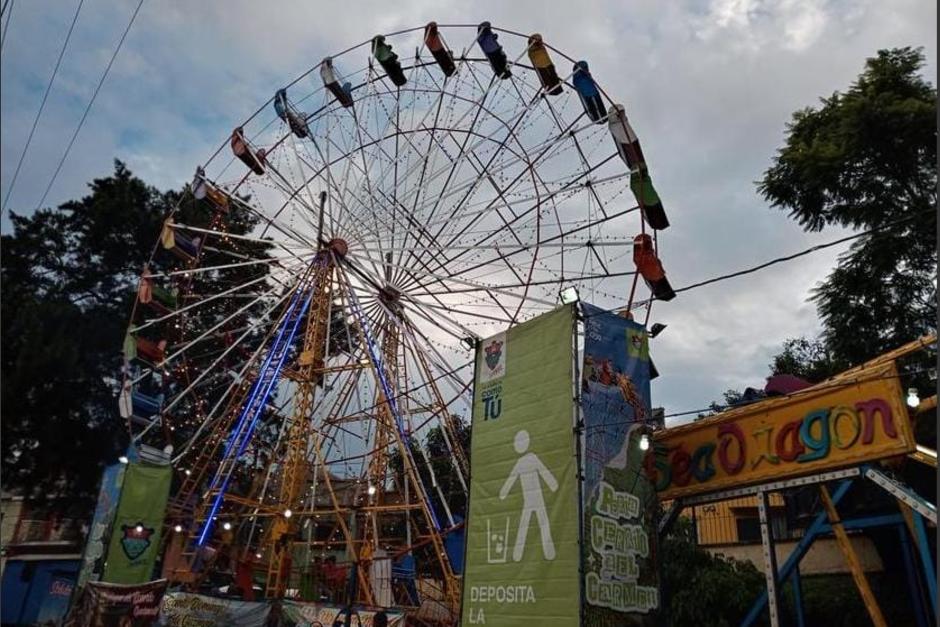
x,y
797,584
913,582
926,559
798,552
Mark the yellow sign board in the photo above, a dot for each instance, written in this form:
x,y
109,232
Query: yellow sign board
x,y
832,425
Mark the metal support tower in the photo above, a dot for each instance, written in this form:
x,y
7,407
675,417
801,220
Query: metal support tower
x,y
278,540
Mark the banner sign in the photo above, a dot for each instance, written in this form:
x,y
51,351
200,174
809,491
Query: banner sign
x,y
832,425
115,605
135,536
619,548
181,609
522,529
108,495
296,614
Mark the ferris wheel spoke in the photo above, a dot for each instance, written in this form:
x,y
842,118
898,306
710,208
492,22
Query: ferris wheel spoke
x,y
206,334
211,417
210,299
535,207
261,323
480,214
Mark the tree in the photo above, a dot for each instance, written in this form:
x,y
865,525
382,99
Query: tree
x,y
67,287
808,359
69,277
701,589
866,159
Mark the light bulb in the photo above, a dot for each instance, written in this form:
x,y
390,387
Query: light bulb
x,y
644,442
569,295
188,472
371,489
227,526
288,513
139,528
178,528
258,555
913,400
123,459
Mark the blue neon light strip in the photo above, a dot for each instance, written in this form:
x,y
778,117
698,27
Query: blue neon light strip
x,y
255,410
390,399
259,382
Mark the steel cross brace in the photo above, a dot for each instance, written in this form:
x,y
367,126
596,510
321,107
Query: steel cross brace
x,y
903,493
814,530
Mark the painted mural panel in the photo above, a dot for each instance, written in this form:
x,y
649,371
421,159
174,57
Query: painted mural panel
x,y
621,581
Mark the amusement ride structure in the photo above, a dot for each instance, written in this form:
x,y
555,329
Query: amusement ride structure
x,y
302,343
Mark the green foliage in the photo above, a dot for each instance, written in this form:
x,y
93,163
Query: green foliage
x,y
69,277
808,359
865,159
703,590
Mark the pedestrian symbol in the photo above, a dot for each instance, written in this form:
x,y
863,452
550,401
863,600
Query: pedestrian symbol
x,y
530,471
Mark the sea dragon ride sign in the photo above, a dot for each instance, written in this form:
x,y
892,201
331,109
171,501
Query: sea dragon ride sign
x,y
836,424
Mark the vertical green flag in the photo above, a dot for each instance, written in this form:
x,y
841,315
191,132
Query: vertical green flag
x,y
522,527
135,537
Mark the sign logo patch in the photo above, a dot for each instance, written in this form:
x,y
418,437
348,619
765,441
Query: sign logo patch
x,y
493,364
136,539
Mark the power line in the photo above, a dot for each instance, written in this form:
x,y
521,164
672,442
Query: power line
x,y
8,9
718,409
778,260
802,253
814,389
90,103
42,105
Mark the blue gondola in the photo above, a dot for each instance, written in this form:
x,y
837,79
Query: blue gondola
x,y
587,89
493,51
295,119
142,397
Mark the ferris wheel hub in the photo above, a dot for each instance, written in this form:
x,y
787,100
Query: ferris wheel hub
x,y
338,246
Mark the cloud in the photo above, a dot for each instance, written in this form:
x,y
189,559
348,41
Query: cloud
x,y
709,87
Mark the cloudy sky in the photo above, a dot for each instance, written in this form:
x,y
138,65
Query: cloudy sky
x,y
709,86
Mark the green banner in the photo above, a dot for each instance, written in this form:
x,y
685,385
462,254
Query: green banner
x,y
135,537
522,527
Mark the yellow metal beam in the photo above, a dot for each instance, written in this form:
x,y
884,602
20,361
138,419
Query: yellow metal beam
x,y
848,551
926,405
911,347
924,455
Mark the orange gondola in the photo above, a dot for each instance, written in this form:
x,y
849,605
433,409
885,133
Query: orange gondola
x,y
435,43
243,150
651,268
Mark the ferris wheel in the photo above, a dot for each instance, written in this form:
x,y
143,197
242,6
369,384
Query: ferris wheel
x,y
303,336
